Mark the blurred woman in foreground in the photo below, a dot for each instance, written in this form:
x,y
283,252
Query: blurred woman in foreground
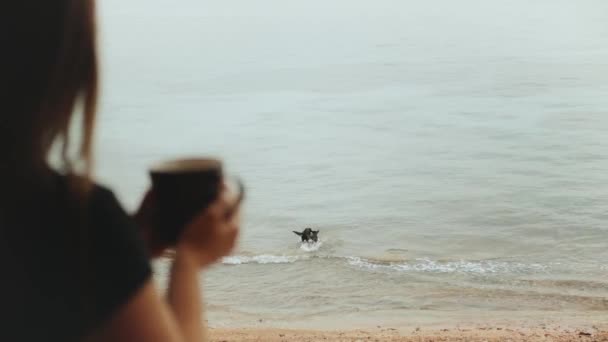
x,y
74,266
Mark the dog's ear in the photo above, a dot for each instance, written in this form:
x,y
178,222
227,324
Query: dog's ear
x,y
297,233
316,231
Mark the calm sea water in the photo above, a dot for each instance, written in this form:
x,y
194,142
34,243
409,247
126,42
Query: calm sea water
x,y
453,154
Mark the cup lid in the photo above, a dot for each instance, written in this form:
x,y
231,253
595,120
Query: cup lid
x,y
186,165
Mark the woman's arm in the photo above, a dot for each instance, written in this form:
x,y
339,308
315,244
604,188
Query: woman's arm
x,y
185,299
146,317
209,237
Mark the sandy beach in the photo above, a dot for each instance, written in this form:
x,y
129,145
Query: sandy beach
x,y
418,334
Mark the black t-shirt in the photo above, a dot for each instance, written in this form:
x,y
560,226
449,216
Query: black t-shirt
x,y
65,266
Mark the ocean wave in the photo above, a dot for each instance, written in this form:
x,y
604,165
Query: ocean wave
x,y
460,266
261,259
424,265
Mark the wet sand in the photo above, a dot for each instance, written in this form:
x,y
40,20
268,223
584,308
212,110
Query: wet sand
x,y
480,334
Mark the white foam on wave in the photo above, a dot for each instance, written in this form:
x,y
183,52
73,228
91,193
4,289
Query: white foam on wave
x,y
462,266
273,259
480,267
311,246
261,259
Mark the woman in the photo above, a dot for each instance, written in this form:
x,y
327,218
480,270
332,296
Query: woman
x,y
73,265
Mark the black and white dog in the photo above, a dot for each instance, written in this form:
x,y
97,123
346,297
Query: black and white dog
x,y
308,235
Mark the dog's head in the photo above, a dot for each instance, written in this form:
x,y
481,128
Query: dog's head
x,y
312,234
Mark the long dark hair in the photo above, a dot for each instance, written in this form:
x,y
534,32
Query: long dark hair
x,y
48,74
48,69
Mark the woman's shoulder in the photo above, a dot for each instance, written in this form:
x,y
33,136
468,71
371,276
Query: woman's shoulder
x,y
101,197
95,208
115,253
82,193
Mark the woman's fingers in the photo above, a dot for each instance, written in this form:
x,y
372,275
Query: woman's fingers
x,y
225,205
214,232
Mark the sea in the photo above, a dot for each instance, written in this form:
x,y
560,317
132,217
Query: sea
x,y
453,154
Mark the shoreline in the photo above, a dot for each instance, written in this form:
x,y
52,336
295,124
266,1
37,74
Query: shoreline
x,y
481,326
481,333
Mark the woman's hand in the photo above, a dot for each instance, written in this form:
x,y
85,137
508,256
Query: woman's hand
x,y
208,237
212,234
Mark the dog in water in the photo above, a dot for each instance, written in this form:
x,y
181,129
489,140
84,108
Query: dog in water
x,y
308,235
